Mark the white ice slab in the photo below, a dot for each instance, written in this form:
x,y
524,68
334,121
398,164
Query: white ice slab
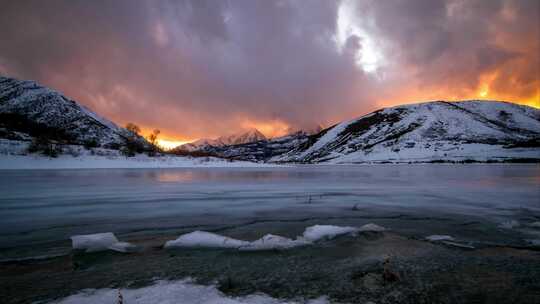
x,y
94,242
100,242
371,228
205,239
271,242
318,232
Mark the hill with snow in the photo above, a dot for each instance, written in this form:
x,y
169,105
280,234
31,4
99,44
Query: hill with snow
x,y
426,132
29,110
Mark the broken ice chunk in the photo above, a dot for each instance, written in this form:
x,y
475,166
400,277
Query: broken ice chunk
x,y
205,239
318,232
371,228
94,242
270,241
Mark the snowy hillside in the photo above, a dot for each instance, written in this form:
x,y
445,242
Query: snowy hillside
x,y
29,110
433,131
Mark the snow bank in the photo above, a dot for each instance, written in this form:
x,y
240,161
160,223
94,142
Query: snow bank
x,y
270,242
318,232
205,239
100,242
168,292
438,238
64,161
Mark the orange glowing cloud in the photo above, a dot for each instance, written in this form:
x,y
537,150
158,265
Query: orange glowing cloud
x,y
270,128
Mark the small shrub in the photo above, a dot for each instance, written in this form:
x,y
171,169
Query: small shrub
x,y
132,147
45,147
91,143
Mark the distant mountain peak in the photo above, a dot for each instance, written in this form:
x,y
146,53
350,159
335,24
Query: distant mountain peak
x,y
251,135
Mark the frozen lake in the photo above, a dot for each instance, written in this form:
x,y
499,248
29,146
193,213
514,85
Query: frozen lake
x,y
41,209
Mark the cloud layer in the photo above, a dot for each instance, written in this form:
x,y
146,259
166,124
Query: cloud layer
x,y
207,68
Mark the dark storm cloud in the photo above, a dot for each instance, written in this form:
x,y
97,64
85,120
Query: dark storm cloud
x,y
456,42
199,68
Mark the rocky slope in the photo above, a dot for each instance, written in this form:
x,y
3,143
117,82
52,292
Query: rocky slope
x,y
425,132
29,110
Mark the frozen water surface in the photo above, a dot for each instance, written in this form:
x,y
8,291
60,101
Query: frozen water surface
x,y
41,209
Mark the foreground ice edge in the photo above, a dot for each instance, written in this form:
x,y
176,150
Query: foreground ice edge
x,y
269,241
182,291
203,239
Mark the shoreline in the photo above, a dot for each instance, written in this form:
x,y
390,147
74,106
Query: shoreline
x,y
37,162
384,267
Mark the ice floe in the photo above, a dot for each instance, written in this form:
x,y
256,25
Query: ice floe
x,y
438,238
319,232
100,242
206,240
271,241
183,291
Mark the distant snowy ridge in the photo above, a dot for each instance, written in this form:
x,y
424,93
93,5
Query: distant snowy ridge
x,y
432,131
250,136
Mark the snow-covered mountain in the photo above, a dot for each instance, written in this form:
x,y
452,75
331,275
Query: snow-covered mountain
x,y
29,110
261,150
250,136
432,131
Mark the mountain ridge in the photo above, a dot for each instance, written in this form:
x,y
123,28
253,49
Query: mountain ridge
x,y
438,125
30,110
423,132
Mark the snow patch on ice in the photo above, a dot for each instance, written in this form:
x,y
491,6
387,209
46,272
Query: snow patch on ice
x,y
437,238
271,241
169,292
111,159
206,240
100,242
319,232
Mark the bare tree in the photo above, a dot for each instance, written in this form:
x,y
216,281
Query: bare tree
x,y
152,138
133,128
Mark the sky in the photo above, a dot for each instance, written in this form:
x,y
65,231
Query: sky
x,y
206,68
